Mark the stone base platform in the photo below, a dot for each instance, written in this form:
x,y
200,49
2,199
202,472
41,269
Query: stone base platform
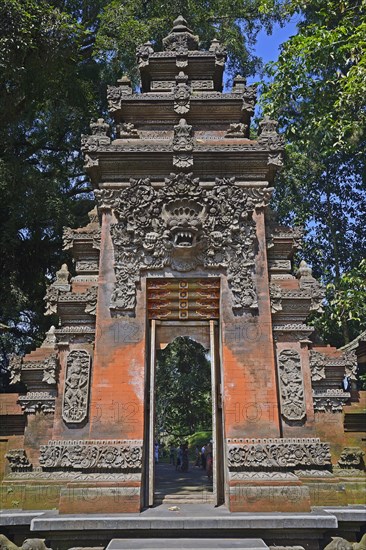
x,y
187,544
311,530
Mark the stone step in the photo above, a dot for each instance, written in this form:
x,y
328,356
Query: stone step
x,y
184,501
187,544
184,498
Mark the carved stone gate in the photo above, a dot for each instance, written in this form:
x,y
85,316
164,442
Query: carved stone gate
x,y
182,233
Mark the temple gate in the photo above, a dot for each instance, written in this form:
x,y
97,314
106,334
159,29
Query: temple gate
x,y
182,243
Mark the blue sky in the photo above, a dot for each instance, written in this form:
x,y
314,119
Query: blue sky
x,y
268,46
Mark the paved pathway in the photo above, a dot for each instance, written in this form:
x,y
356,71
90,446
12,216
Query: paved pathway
x,y
170,484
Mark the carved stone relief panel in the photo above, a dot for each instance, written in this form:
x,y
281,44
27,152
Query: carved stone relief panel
x,y
100,455
274,454
183,145
183,225
76,391
291,385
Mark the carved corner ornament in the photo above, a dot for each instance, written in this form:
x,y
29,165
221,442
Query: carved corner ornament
x,y
352,457
38,401
331,399
75,401
100,135
317,365
18,460
15,368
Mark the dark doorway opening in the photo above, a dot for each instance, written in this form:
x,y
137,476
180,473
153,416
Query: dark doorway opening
x,y
183,451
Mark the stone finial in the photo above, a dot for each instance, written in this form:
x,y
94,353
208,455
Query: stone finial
x,y
268,126
304,270
93,216
100,127
50,340
309,284
268,135
181,77
15,368
180,37
143,53
124,85
239,84
62,277
215,45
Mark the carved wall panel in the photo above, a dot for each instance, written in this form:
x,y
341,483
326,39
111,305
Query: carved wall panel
x,y
291,385
92,455
262,454
184,226
76,391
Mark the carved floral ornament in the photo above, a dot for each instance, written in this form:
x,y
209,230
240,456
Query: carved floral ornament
x,y
184,226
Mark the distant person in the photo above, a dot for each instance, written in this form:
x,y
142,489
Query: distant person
x,y
209,460
197,454
185,458
156,452
203,457
172,451
178,466
346,383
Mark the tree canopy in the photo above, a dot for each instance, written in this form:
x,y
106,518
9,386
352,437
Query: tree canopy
x,y
317,91
183,389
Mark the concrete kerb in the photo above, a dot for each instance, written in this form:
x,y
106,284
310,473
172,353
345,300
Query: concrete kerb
x,y
243,521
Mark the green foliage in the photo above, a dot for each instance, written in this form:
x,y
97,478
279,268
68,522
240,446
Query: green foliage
x,y
199,439
346,306
47,94
183,388
125,25
316,90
